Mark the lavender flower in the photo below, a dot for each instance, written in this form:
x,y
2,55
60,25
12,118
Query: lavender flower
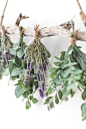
x,y
42,86
31,65
25,58
46,94
44,66
36,75
42,77
41,94
6,55
26,79
40,67
27,72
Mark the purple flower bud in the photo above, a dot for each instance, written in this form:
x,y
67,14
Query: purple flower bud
x,y
25,58
24,83
27,72
40,67
41,94
8,53
42,86
31,65
44,66
42,77
36,75
5,57
46,94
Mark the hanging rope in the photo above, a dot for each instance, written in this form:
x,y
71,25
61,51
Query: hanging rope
x,y
2,17
82,14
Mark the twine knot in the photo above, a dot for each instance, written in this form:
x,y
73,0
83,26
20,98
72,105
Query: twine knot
x,y
72,40
36,32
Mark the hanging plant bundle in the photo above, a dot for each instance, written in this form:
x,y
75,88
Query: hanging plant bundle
x,y
5,45
37,56
19,69
68,76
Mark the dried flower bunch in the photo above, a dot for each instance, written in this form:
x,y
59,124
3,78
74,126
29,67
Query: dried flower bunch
x,y
38,56
68,76
5,45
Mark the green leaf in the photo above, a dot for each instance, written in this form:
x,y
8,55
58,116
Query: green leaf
x,y
12,51
6,73
24,72
70,64
56,99
60,94
19,91
52,75
47,100
84,118
34,100
20,53
53,70
83,107
11,66
31,97
28,104
51,105
16,71
16,45
66,98
57,58
57,63
62,55
58,80
21,76
48,108
49,90
84,95
82,86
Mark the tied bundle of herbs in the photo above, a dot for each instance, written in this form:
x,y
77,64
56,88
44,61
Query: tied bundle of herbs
x,y
37,56
18,68
68,76
5,45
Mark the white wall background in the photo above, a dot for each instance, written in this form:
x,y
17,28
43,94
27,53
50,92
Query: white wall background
x,y
12,111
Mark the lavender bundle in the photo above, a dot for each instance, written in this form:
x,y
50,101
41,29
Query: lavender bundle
x,y
5,45
37,55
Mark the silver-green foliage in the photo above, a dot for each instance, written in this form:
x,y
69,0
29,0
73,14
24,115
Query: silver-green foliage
x,y
67,77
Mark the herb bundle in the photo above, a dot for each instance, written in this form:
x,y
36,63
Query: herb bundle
x,y
37,56
5,45
18,68
68,76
